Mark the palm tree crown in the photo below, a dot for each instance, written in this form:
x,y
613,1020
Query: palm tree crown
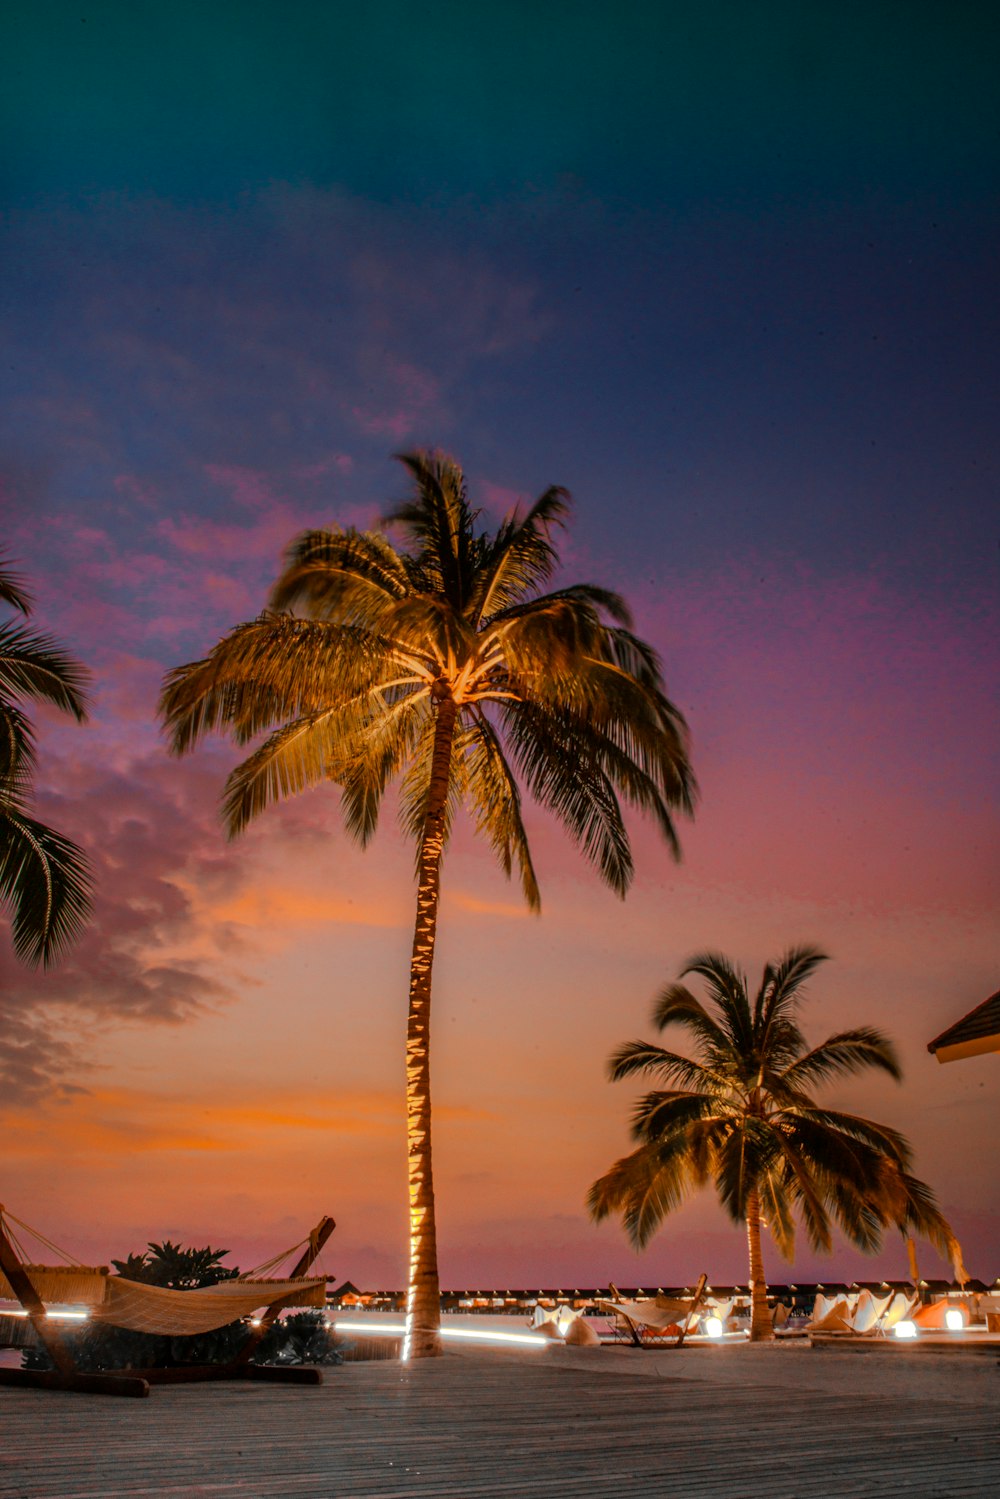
x,y
448,665
542,685
741,1113
44,877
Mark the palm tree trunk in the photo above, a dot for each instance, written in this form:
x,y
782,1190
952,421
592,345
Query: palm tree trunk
x,y
761,1330
423,1293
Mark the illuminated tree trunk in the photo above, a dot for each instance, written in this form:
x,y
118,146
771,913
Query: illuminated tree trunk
x,y
761,1330
423,1293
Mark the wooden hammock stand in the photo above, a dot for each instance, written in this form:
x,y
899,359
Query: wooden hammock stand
x,y
635,1325
136,1382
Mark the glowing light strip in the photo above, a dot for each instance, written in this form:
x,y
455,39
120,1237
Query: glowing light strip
x,y
397,1331
58,1316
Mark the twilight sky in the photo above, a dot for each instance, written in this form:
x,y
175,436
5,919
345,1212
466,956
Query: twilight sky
x,y
727,272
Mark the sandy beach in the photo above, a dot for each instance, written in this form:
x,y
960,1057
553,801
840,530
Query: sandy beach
x,y
789,1422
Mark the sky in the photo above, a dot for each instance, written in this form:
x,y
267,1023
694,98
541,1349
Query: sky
x,y
726,272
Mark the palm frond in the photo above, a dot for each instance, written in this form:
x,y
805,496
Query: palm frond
x,y
644,1187
520,558
12,589
345,576
776,1206
560,766
658,1116
727,986
909,1204
779,994
302,754
36,666
583,603
17,748
438,519
843,1055
376,755
45,882
274,669
798,1187
641,1057
880,1138
676,1005
496,803
743,1158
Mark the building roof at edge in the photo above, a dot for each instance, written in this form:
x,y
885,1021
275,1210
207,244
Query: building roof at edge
x,y
983,1021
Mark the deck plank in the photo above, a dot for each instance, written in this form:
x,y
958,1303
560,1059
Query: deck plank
x,y
474,1425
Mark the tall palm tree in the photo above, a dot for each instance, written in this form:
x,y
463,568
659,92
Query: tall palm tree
x,y
741,1113
44,877
446,662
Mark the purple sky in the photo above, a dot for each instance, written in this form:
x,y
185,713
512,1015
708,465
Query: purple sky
x,y
733,285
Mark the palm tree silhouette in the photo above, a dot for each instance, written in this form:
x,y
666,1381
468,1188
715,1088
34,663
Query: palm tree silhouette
x,y
44,877
741,1114
443,662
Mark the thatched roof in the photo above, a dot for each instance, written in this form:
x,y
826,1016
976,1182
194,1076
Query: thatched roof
x,y
974,1034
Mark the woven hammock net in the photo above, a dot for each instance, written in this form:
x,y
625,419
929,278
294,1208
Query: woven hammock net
x,y
138,1307
74,1285
663,1312
141,1308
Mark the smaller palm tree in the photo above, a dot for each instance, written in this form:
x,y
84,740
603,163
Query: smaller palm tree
x,y
44,877
741,1113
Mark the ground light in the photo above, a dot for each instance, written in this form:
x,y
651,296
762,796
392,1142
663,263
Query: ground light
x,y
953,1320
905,1329
56,1316
471,1334
713,1327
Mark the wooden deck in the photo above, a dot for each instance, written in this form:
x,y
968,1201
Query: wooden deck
x,y
772,1423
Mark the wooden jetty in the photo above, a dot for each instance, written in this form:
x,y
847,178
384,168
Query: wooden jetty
x,y
786,1422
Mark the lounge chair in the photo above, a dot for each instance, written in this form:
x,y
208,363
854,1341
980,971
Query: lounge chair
x,y
931,1318
830,1317
138,1307
872,1317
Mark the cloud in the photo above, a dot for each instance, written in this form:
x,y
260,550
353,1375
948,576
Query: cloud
x,y
508,910
117,1121
144,957
412,402
289,906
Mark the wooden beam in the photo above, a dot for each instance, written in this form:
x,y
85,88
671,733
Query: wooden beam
x,y
24,1289
633,1329
312,1250
133,1385
699,1293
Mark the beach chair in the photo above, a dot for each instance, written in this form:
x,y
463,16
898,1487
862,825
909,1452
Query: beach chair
x,y
869,1314
830,1317
650,1323
138,1307
931,1317
874,1319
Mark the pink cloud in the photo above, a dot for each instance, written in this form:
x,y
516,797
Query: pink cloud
x,y
245,486
413,398
341,463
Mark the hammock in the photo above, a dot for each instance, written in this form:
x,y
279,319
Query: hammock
x,y
659,1315
141,1308
75,1285
138,1307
